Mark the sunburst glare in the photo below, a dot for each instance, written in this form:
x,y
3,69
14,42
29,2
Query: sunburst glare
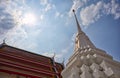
x,y
29,19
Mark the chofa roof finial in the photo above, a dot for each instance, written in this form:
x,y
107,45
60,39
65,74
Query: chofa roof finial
x,y
4,41
63,62
53,57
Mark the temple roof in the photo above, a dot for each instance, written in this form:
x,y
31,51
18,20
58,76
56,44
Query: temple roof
x,y
19,57
4,45
8,47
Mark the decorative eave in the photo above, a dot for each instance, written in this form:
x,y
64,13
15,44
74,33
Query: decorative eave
x,y
6,45
3,45
8,54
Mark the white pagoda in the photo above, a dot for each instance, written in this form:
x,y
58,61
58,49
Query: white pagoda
x,y
88,61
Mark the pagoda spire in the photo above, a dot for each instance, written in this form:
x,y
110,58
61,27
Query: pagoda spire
x,y
78,25
81,41
88,61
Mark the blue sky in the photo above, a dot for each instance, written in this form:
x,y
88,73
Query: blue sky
x,y
48,26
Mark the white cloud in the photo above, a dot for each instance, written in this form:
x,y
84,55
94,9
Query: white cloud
x,y
49,7
49,54
43,2
10,21
41,17
73,37
16,34
85,1
65,52
47,4
11,9
57,14
7,20
93,12
4,1
115,9
61,54
76,5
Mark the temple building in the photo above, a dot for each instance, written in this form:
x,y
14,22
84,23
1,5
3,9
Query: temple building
x,y
88,61
18,63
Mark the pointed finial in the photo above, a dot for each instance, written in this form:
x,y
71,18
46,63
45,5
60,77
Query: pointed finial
x,y
73,10
78,26
4,41
63,61
53,56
